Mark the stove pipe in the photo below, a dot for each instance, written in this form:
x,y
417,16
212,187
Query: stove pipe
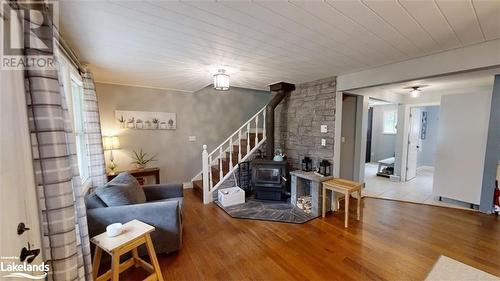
x,y
281,89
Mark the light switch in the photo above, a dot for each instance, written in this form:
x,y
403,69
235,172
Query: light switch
x,y
324,128
342,139
323,142
192,138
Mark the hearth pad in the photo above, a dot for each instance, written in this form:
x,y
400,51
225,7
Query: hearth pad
x,y
267,211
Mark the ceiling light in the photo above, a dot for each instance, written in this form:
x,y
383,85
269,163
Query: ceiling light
x,y
221,80
415,93
415,90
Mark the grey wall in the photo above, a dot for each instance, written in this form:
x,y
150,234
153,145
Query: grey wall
x,y
348,136
298,120
208,114
383,145
492,155
427,154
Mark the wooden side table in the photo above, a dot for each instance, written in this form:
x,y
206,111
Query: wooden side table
x,y
345,187
135,233
139,174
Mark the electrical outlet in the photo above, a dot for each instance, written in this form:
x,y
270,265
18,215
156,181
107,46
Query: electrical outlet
x,y
192,138
323,142
324,128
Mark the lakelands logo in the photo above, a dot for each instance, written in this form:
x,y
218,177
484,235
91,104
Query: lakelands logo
x,y
23,270
27,39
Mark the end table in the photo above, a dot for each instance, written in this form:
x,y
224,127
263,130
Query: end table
x,y
135,233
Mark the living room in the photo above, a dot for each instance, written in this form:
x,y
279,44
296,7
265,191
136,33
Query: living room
x,y
210,140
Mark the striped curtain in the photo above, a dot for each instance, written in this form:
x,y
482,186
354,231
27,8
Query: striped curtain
x,y
64,224
97,166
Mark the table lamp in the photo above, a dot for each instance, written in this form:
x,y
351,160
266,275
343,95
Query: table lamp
x,y
111,143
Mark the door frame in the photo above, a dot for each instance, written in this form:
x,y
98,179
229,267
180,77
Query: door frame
x,y
405,125
360,135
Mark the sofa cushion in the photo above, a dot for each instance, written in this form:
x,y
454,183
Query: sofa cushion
x,y
122,190
93,201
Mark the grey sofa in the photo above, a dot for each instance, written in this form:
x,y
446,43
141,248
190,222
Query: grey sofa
x,y
162,209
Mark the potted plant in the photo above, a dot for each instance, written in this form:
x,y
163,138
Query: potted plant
x,y
147,124
131,123
163,125
141,159
156,123
122,121
139,124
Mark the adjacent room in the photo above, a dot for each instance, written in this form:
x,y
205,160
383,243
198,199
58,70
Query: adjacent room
x,y
250,140
408,143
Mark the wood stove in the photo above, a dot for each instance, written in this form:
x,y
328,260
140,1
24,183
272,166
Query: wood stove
x,y
269,179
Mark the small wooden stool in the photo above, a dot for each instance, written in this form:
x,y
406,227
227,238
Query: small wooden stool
x,y
345,187
135,233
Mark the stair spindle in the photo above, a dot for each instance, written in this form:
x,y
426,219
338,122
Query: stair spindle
x,y
221,172
256,130
263,124
248,137
239,146
210,172
230,153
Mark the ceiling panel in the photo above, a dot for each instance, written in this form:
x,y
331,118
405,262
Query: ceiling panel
x,y
362,15
428,15
179,45
399,19
461,16
488,13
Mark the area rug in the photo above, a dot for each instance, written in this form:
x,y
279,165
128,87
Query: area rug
x,y
449,269
267,211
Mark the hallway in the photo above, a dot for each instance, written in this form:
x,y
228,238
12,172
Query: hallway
x,y
417,190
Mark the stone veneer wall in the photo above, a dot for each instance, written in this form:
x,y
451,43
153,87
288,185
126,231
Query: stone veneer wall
x,y
298,119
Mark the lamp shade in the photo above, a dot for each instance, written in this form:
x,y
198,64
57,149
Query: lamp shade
x,y
221,80
111,143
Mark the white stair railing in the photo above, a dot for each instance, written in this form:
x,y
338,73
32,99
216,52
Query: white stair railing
x,y
216,158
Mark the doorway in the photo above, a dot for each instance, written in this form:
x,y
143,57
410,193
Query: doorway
x,y
414,183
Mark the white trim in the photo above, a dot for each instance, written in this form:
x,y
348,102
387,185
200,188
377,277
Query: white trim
x,y
406,132
338,132
478,56
143,86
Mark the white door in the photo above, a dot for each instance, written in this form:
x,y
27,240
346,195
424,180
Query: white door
x,y
18,202
413,143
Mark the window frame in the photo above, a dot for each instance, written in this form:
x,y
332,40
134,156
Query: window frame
x,y
70,77
385,116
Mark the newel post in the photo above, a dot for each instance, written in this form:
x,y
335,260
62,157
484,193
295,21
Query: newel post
x,y
205,173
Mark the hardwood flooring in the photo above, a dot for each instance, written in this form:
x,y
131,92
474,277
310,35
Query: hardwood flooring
x,y
393,241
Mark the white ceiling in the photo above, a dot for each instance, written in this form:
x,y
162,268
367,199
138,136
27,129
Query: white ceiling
x,y
177,45
470,82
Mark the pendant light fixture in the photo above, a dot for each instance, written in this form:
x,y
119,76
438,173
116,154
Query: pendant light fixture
x,y
221,80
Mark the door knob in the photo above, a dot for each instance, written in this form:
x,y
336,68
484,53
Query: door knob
x,y
21,228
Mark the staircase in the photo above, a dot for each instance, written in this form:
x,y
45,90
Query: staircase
x,y
221,163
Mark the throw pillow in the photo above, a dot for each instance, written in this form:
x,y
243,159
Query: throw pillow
x,y
122,190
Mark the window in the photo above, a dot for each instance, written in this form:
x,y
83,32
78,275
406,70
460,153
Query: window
x,y
390,122
79,123
73,90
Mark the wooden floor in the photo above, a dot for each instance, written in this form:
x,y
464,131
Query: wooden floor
x,y
393,241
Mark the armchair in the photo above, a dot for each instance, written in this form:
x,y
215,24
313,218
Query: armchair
x,y
163,210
